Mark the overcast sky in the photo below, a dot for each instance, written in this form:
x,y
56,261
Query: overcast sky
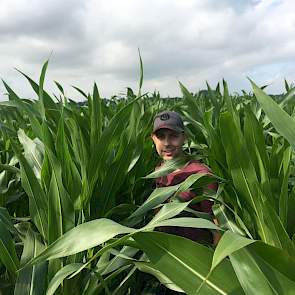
x,y
180,40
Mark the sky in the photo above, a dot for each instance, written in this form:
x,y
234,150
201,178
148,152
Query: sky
x,y
191,41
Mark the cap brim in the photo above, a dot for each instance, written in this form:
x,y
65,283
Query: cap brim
x,y
173,128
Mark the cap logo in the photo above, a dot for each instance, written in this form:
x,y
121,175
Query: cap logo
x,y
165,117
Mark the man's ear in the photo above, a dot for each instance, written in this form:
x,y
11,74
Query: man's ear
x,y
152,137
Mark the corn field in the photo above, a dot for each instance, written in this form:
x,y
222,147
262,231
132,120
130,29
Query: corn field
x,y
77,200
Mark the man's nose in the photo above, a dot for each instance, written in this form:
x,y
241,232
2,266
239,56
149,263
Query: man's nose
x,y
166,140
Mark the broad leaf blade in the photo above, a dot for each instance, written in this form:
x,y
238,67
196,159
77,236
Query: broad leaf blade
x,y
7,250
186,264
284,124
228,244
60,276
37,200
31,279
89,235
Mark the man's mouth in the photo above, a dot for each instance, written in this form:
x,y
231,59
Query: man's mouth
x,y
168,152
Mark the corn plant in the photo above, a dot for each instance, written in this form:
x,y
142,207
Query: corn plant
x,y
77,203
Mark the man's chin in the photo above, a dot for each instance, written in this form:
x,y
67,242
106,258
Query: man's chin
x,y
168,157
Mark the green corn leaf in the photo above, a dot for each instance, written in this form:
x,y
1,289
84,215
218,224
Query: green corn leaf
x,y
176,258
41,83
12,95
228,244
246,267
141,74
124,257
287,97
96,232
287,87
192,103
79,146
103,283
169,210
6,220
264,269
33,114
55,222
160,195
242,171
31,279
37,199
7,250
59,86
226,221
283,201
60,204
88,236
33,152
9,168
60,276
213,97
80,91
109,136
290,228
279,234
148,267
96,120
168,167
280,260
229,105
70,174
48,101
255,139
186,222
283,123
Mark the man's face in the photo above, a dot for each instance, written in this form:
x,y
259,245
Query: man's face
x,y
168,143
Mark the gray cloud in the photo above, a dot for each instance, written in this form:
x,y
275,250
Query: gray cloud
x,y
47,20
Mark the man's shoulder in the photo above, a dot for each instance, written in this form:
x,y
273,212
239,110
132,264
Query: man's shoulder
x,y
195,166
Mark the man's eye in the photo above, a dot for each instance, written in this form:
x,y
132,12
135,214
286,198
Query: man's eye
x,y
160,136
175,135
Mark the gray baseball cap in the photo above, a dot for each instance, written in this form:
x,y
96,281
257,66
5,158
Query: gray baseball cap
x,y
168,120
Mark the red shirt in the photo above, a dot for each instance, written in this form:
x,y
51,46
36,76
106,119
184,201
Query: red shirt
x,y
176,177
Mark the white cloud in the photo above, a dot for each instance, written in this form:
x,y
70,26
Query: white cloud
x,y
191,41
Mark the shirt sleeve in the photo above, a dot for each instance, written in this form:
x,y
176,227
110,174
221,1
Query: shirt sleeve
x,y
205,205
201,168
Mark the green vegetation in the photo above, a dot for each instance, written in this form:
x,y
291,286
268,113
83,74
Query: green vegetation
x,y
77,214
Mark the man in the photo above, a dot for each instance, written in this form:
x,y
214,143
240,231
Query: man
x,y
168,136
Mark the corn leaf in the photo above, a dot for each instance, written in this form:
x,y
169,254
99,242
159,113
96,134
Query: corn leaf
x,y
228,244
283,123
242,171
176,258
246,267
37,200
148,267
31,279
60,202
70,174
7,250
89,234
33,152
60,276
